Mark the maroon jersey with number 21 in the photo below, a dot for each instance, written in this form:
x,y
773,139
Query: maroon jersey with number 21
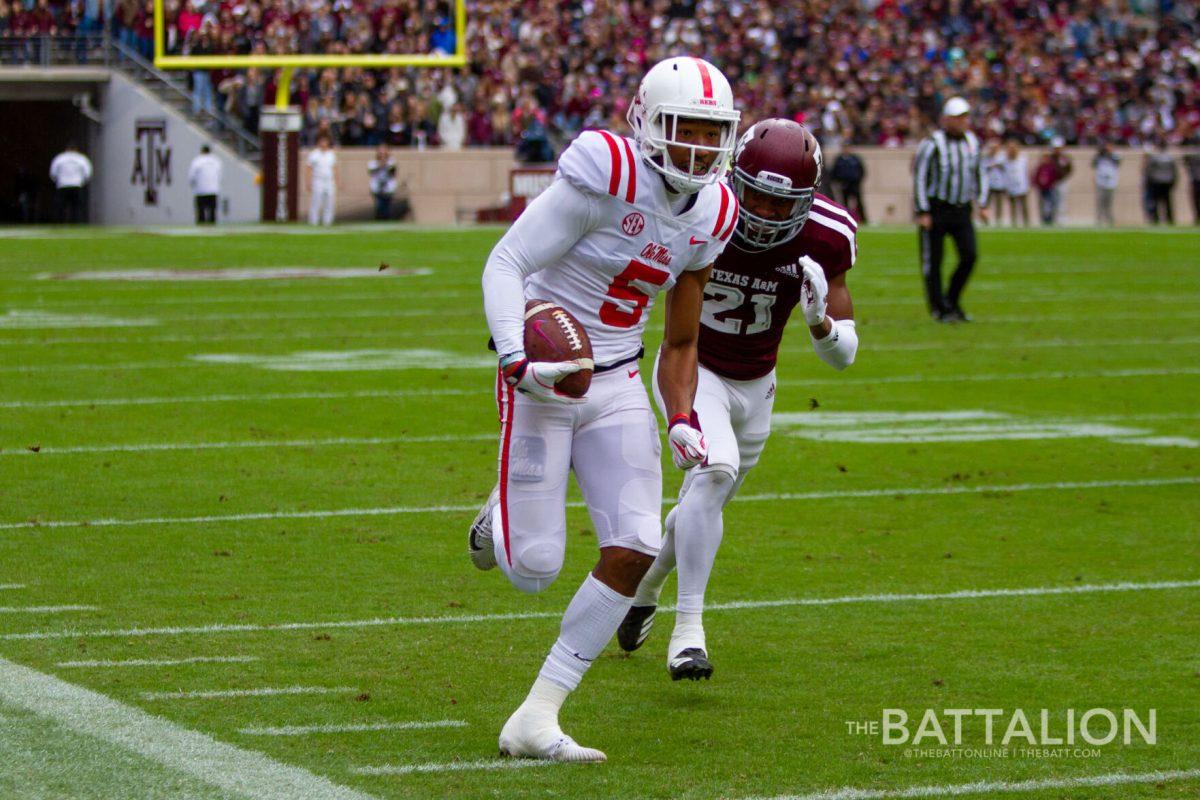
x,y
751,294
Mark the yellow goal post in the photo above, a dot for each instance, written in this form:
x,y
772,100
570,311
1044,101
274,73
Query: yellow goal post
x,y
287,63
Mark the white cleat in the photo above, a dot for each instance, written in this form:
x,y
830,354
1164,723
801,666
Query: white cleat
x,y
526,736
479,538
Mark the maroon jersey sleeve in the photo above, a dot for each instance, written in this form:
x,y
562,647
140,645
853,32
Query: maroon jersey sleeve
x,y
751,294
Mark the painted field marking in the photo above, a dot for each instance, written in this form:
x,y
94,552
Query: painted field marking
x,y
351,360
44,609
15,319
232,274
266,691
404,295
244,398
907,491
994,787
251,443
956,426
737,605
237,771
305,730
1027,345
1135,372
12,586
157,662
454,766
218,336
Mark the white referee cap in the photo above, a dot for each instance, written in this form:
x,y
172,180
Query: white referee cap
x,y
955,107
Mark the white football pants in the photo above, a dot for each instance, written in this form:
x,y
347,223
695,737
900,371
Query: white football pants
x,y
320,205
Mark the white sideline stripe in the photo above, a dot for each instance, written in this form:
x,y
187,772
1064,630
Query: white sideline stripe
x,y
240,772
12,586
218,336
304,730
750,498
240,398
737,605
1137,372
968,347
44,609
266,691
454,766
159,662
330,297
993,787
170,446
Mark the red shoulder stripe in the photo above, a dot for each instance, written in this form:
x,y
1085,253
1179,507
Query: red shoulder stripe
x,y
733,217
721,214
631,187
614,178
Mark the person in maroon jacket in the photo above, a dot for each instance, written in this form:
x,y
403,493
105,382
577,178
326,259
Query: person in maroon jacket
x,y
791,248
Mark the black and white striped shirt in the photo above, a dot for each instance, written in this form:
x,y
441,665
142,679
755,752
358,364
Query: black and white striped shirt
x,y
950,170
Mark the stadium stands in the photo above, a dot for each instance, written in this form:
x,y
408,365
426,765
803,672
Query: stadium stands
x,y
869,72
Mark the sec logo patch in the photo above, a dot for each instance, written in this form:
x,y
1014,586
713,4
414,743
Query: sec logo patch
x,y
633,224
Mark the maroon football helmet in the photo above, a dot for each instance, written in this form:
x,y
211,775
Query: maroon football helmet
x,y
780,158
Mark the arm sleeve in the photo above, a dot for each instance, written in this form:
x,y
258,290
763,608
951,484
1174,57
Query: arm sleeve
x,y
87,169
921,176
543,234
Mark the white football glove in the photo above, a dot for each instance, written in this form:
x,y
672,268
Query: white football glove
x,y
814,293
688,447
537,378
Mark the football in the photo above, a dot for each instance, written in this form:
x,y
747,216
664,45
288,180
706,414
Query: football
x,y
553,334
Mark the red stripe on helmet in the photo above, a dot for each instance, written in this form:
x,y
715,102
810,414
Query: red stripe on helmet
x,y
705,78
614,178
631,187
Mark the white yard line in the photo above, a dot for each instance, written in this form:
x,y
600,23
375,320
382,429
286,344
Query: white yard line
x,y
151,447
261,336
158,662
305,730
454,766
12,586
239,772
266,691
969,347
994,787
44,609
908,491
1136,372
737,605
243,398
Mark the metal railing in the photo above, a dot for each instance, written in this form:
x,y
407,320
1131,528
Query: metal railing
x,y
103,50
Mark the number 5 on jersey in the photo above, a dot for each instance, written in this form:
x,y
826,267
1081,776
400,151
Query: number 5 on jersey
x,y
622,288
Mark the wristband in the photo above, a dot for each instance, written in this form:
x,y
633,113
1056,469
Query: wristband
x,y
840,346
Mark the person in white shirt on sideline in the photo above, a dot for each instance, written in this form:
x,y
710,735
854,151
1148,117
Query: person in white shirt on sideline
x,y
1107,165
70,170
1016,183
382,172
204,177
322,181
452,127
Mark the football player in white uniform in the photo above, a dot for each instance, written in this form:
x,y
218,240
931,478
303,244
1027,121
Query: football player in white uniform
x,y
791,251
623,220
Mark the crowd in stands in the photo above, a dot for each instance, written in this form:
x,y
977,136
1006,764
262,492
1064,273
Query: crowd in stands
x,y
863,71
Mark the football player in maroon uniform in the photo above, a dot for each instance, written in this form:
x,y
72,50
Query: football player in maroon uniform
x,y
792,248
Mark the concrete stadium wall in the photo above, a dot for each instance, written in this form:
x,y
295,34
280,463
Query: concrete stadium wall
x,y
447,187
141,152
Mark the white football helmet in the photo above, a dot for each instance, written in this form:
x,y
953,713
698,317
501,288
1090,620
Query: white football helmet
x,y
688,88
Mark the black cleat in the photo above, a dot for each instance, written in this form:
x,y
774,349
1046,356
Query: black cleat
x,y
635,627
956,314
692,664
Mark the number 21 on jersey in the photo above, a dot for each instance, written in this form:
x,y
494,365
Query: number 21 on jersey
x,y
721,301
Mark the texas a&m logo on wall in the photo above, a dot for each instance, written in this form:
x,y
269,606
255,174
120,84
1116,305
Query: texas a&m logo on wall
x,y
151,157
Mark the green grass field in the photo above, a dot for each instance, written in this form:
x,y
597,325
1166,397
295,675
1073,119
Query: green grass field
x,y
289,513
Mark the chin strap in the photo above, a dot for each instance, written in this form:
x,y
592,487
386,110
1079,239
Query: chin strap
x,y
840,346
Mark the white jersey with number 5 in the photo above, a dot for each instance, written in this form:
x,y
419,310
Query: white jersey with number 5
x,y
630,244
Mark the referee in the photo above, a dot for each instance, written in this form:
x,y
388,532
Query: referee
x,y
949,177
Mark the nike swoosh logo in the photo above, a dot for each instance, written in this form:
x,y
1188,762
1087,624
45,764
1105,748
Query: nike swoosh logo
x,y
633,373
694,240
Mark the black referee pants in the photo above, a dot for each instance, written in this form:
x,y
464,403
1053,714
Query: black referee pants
x,y
956,222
